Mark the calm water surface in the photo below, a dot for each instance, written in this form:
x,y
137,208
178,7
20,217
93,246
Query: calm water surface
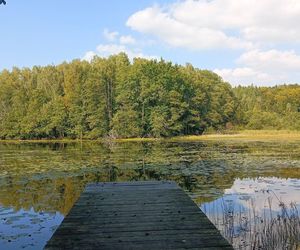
x,y
39,183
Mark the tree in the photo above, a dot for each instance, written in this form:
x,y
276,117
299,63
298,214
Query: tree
x,y
135,99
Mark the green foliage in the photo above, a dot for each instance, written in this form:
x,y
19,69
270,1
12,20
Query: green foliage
x,y
268,108
126,123
112,96
159,121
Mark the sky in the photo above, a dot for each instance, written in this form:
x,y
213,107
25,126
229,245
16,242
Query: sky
x,y
245,42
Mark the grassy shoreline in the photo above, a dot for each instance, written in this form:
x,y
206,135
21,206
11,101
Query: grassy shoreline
x,y
251,135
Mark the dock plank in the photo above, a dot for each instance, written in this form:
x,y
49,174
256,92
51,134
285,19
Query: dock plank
x,y
136,215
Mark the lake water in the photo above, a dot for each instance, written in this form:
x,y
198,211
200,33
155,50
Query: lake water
x,y
40,182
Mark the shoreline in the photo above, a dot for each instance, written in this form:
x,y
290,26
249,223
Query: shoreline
x,y
251,135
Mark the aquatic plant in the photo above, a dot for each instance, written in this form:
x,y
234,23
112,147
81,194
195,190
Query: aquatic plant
x,y
271,229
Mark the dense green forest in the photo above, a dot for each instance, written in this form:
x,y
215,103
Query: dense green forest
x,y
268,107
144,98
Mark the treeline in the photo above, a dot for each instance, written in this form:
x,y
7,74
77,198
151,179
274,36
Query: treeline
x,y
268,107
146,98
112,97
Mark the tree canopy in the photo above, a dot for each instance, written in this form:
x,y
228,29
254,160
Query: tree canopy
x,y
268,107
144,98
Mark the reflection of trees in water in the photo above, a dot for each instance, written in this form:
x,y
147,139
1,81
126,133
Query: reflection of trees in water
x,y
197,177
51,176
42,195
189,182
49,195
59,194
252,229
112,173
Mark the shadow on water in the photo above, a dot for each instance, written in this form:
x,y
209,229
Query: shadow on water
x,y
40,182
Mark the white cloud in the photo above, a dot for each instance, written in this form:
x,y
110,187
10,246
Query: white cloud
x,y
206,24
110,35
127,40
256,28
264,68
88,56
244,76
271,60
110,49
179,34
123,44
256,189
105,50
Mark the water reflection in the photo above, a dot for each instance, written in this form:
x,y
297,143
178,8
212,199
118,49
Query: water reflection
x,y
266,192
261,213
44,180
26,229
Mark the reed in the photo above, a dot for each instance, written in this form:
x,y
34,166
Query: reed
x,y
251,229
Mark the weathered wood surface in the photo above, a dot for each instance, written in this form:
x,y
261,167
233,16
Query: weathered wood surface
x,y
136,215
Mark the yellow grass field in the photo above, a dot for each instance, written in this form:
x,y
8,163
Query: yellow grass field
x,y
248,135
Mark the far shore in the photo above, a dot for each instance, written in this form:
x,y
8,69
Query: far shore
x,y
248,135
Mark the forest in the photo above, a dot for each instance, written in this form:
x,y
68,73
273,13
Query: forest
x,y
114,97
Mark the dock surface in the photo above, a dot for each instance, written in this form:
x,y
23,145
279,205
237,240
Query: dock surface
x,y
136,215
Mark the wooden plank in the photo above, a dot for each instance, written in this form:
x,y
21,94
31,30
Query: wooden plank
x,y
114,186
136,215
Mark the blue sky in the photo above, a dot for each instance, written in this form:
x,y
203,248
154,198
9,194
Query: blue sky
x,y
243,41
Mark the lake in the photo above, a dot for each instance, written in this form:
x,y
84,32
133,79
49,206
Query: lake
x,y
242,185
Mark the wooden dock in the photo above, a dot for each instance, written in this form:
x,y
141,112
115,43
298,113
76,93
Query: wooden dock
x,y
136,215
